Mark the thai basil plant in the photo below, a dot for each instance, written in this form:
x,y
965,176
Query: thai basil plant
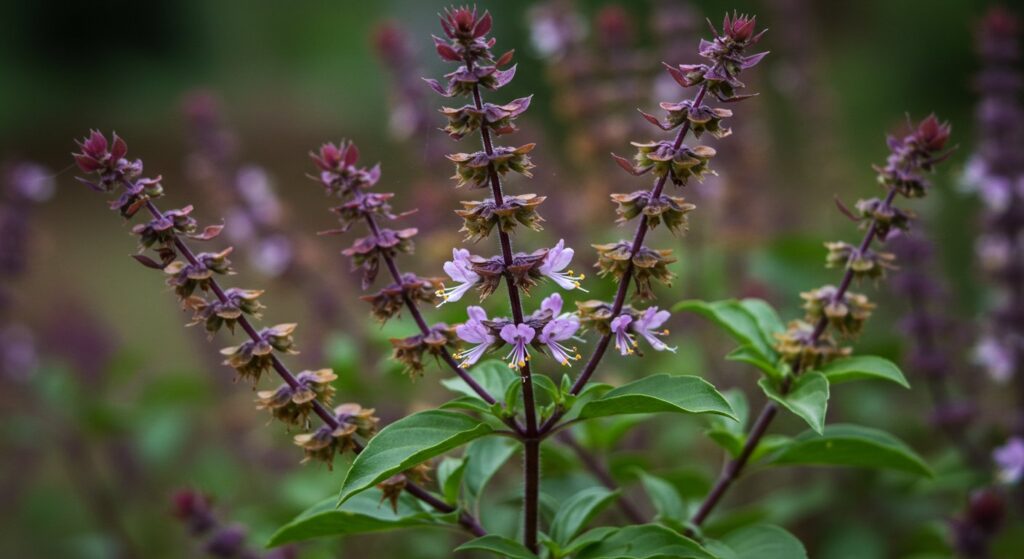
x,y
528,360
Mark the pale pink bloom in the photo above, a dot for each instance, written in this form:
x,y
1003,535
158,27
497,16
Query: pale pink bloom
x,y
459,269
519,337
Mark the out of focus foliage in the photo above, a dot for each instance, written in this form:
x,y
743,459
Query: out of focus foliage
x,y
123,406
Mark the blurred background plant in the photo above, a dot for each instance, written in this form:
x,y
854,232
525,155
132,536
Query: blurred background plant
x,y
109,402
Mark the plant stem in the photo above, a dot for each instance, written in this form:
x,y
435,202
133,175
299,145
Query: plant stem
x,y
938,385
733,468
422,323
596,467
531,442
620,295
446,355
288,377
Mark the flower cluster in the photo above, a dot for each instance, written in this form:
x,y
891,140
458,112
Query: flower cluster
x,y
324,443
411,118
932,342
480,217
342,177
670,210
726,59
392,487
996,172
547,330
22,186
292,404
806,344
195,511
195,280
253,212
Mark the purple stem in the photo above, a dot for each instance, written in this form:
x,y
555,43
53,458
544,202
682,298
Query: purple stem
x,y
620,295
733,468
422,324
465,519
531,440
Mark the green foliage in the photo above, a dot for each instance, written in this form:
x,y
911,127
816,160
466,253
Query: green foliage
x,y
577,511
498,545
483,458
808,398
449,477
408,442
851,445
759,541
864,367
751,322
493,375
361,514
659,393
670,508
647,541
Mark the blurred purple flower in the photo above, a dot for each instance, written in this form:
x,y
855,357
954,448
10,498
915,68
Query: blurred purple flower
x,y
1009,459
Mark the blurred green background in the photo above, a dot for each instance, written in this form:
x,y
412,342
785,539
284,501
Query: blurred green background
x,y
91,457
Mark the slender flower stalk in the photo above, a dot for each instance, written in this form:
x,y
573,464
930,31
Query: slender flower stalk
x,y
996,173
194,277
807,344
466,44
926,326
195,511
631,261
23,185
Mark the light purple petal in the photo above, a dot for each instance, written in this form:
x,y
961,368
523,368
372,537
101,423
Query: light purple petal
x,y
552,303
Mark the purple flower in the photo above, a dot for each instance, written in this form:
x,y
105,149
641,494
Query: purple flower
x,y
647,325
556,260
624,341
518,336
996,358
552,303
461,272
1009,458
475,332
556,331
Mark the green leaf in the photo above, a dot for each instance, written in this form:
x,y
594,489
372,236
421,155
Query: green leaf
x,y
498,545
864,367
545,385
659,393
761,541
577,511
750,356
493,375
735,319
407,442
589,537
768,321
808,398
469,403
449,477
647,541
484,457
669,505
852,445
359,515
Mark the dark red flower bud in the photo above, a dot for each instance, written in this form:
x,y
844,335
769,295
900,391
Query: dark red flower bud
x,y
986,510
390,42
193,508
932,134
740,28
228,542
614,26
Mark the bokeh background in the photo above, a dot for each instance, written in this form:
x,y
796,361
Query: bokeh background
x,y
118,405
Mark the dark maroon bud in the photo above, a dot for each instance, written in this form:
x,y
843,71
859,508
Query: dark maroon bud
x,y
227,543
